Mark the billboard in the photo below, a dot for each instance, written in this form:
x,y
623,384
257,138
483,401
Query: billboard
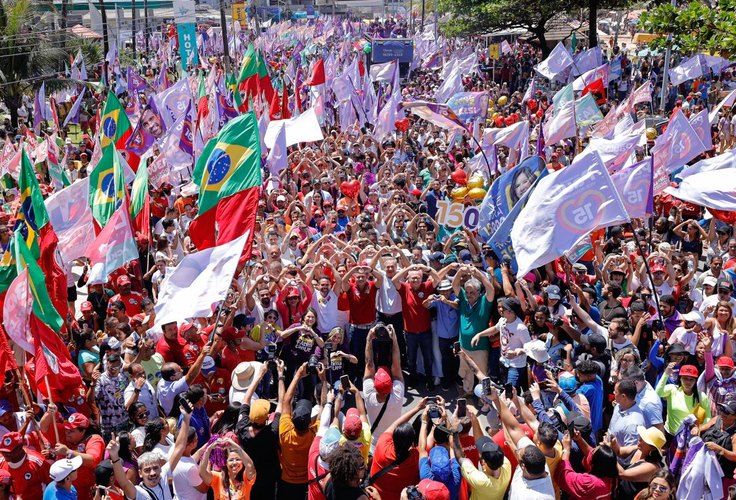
x,y
388,49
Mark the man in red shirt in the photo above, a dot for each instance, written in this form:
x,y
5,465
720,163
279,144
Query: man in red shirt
x,y
217,382
132,300
193,342
417,319
28,468
361,296
171,346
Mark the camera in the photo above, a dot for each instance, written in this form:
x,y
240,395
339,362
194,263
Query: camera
x,y
555,368
312,365
434,411
557,323
486,385
328,346
412,493
381,332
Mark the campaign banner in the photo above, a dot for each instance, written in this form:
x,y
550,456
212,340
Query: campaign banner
x,y
505,193
187,34
388,49
469,106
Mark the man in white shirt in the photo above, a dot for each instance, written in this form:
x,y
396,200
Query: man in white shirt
x,y
388,301
382,389
324,300
724,290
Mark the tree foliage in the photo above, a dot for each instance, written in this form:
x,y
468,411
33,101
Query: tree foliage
x,y
695,27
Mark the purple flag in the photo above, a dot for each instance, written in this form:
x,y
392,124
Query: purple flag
x,y
73,115
186,138
136,82
634,185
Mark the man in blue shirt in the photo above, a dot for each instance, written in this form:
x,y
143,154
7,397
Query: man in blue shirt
x,y
446,327
591,386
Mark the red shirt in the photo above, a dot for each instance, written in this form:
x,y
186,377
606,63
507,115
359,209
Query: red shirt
x,y
416,317
315,492
192,350
500,440
405,474
95,446
362,303
27,478
132,303
172,350
218,384
230,358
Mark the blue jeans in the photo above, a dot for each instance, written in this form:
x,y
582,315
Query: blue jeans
x,y
415,341
516,377
357,338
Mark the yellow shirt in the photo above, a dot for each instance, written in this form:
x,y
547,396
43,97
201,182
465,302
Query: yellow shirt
x,y
483,486
295,450
363,442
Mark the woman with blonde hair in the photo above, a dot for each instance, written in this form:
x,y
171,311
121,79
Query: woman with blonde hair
x,y
721,326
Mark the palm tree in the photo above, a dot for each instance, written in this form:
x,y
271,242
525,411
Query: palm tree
x,y
29,51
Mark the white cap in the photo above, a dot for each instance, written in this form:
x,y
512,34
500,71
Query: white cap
x,y
537,350
281,197
62,468
694,316
710,280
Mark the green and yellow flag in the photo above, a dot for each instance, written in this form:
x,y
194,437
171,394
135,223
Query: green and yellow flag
x,y
106,186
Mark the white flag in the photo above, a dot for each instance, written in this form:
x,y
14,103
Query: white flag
x,y
561,126
727,160
304,128
690,69
711,189
613,152
701,125
729,100
384,72
277,159
557,62
17,312
201,280
112,248
71,218
565,206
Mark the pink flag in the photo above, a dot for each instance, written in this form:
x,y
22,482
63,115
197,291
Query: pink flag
x,y
113,247
561,126
674,148
701,125
17,312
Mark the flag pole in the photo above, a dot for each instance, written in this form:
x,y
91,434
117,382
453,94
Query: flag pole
x,y
488,164
28,401
649,272
56,428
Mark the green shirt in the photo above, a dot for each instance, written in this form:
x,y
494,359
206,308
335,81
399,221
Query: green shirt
x,y
473,319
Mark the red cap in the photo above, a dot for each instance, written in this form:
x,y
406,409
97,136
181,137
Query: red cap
x,y
352,424
658,269
5,477
689,371
185,327
725,361
76,421
138,319
293,292
433,490
85,306
317,213
123,280
11,441
231,333
382,381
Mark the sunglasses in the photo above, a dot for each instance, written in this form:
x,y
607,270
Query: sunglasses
x,y
661,488
145,414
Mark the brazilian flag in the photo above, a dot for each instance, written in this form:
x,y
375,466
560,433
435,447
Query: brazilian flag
x,y
32,216
114,125
106,186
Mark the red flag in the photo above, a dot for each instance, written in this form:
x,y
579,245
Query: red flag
x,y
274,111
231,218
7,359
53,361
298,98
285,113
597,89
317,77
265,87
55,275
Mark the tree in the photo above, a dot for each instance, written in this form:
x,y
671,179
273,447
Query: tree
x,y
29,53
695,27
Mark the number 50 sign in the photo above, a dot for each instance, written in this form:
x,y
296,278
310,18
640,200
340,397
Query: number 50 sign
x,y
456,214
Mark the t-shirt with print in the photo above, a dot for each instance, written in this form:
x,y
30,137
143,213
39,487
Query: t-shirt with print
x,y
513,336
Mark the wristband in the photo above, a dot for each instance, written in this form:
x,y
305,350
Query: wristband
x,y
116,461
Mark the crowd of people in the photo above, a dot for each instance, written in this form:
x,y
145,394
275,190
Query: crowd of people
x,y
366,351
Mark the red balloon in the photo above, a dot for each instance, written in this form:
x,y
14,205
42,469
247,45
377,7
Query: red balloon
x,y
402,125
531,104
350,188
540,114
459,176
499,121
509,120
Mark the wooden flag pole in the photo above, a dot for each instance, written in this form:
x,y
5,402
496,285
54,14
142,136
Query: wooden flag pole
x,y
56,428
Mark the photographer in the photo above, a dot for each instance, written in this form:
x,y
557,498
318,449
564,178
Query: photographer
x,y
439,464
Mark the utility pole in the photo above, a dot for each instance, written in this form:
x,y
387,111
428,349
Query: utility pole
x,y
665,79
225,48
105,42
133,29
145,25
422,31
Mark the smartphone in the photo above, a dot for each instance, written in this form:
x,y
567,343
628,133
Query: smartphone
x,y
345,382
434,412
486,385
508,391
328,346
462,407
456,348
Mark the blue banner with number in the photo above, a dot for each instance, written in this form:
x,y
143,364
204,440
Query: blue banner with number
x,y
187,34
505,194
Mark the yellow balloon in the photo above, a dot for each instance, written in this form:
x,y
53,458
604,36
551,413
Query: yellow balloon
x,y
651,133
491,109
502,100
475,182
459,193
477,193
491,103
495,115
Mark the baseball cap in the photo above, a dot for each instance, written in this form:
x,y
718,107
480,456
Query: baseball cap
x,y
138,319
694,316
352,424
710,281
11,441
725,361
439,462
579,422
302,414
436,256
123,280
598,341
76,421
231,333
281,197
728,406
658,269
490,452
579,267
382,381
112,343
553,292
259,411
5,477
433,490
688,371
726,285
465,256
329,442
676,348
208,365
85,306
185,327
62,468
537,350
567,382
